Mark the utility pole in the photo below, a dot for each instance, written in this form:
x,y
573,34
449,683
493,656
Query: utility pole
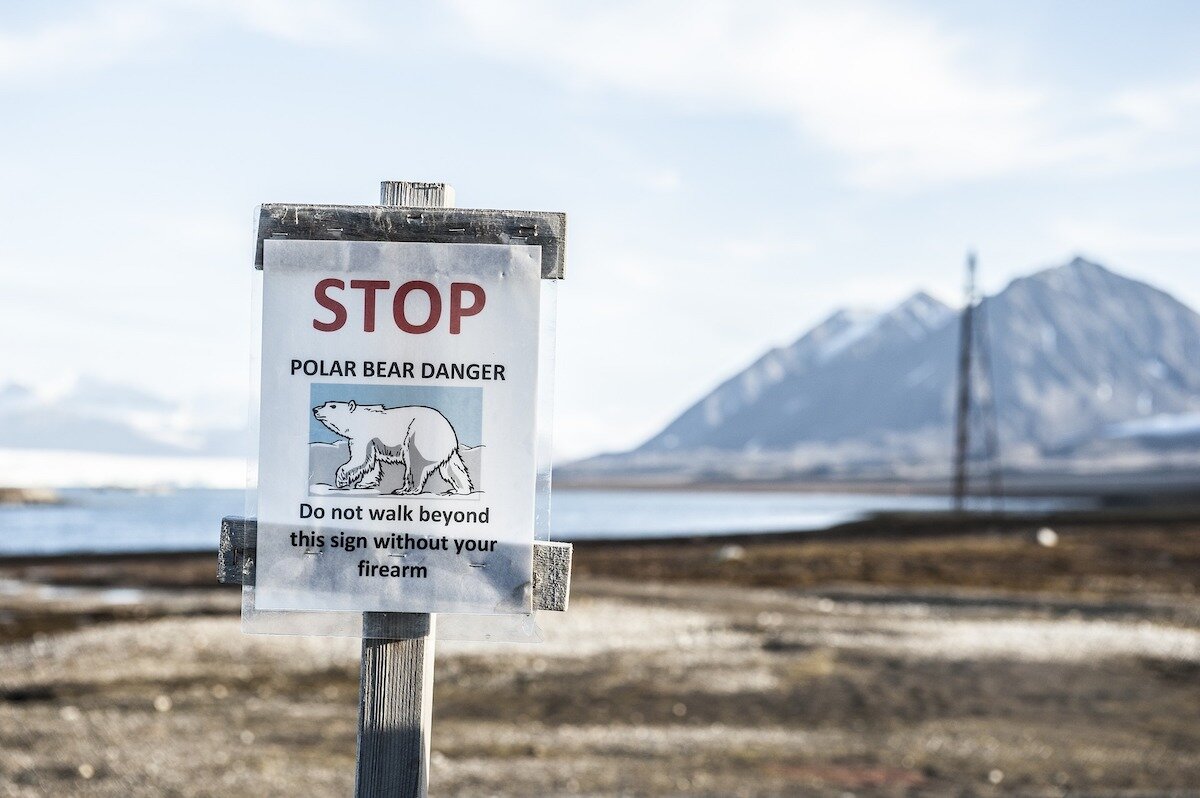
x,y
962,419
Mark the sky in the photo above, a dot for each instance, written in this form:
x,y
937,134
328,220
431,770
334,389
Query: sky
x,y
732,172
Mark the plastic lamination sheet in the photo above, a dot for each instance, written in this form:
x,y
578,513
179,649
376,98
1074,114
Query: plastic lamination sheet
x,y
403,460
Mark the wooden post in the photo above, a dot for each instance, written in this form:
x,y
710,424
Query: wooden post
x,y
395,699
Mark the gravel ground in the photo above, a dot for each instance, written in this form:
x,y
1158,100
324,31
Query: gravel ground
x,y
644,688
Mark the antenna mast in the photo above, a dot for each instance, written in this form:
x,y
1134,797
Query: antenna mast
x,y
973,333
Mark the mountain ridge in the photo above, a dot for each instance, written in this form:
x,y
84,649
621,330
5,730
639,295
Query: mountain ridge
x,y
1077,351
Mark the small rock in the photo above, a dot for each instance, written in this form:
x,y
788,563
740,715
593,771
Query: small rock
x,y
1047,537
995,776
770,619
730,553
162,703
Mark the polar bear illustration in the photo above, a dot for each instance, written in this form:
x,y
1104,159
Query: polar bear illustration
x,y
379,435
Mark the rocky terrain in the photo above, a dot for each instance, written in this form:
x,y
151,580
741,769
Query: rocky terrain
x,y
894,660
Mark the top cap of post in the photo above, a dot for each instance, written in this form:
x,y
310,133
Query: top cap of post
x,y
408,194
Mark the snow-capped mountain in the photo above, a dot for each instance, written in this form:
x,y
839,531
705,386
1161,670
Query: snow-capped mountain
x,y
97,433
1079,349
92,415
787,384
1079,355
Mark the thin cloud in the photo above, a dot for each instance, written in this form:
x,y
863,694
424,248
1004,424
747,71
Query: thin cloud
x,y
894,93
662,181
314,22
1137,244
106,34
97,37
1165,108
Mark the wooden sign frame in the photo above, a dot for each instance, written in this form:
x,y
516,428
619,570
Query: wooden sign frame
x,y
425,225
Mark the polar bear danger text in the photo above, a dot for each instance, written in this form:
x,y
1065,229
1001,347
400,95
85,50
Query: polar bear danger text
x,y
397,370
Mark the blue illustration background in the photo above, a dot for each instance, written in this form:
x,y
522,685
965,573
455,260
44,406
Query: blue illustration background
x,y
462,407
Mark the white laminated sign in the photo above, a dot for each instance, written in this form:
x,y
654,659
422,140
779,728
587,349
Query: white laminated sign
x,y
397,426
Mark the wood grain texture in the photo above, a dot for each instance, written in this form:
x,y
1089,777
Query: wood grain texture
x,y
231,551
551,563
439,225
395,706
551,576
406,193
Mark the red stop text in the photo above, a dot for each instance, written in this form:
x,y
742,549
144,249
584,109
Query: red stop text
x,y
415,307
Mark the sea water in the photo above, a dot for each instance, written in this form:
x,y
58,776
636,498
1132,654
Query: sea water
x,y
181,520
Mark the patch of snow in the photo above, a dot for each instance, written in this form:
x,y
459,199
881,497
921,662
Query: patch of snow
x,y
712,410
794,406
848,337
920,374
1164,425
751,384
920,314
1049,337
916,317
773,369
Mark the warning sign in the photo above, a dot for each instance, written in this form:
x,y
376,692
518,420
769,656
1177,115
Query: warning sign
x,y
397,426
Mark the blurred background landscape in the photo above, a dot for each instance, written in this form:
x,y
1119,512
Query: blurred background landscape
x,y
760,401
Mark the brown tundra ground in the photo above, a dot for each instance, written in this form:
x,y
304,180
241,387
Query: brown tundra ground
x,y
900,657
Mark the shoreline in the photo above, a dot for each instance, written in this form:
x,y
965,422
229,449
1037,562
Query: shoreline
x,y
1140,486
26,497
767,558
880,525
